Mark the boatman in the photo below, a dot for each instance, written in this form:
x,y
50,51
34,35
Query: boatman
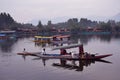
x,y
63,52
44,51
24,50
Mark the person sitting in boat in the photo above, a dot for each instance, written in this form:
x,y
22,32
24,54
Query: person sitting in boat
x,y
43,51
63,52
24,50
86,54
74,54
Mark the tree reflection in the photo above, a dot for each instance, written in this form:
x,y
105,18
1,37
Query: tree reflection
x,y
84,39
6,45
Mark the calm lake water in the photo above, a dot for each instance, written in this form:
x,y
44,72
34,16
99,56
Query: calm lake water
x,y
17,67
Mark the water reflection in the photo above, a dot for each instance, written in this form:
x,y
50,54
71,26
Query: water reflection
x,y
76,65
6,45
38,44
84,39
42,44
24,57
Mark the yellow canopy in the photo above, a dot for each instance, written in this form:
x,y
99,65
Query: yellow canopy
x,y
43,37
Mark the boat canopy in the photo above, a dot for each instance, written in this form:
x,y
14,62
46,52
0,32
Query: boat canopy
x,y
7,32
60,36
67,47
45,37
2,35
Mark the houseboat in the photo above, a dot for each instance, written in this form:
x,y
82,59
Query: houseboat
x,y
42,39
52,39
7,34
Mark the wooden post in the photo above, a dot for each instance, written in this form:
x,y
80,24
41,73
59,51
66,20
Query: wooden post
x,y
61,51
81,50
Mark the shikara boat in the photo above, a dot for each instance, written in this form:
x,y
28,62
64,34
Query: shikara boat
x,y
64,55
28,53
52,39
71,56
60,37
43,39
57,56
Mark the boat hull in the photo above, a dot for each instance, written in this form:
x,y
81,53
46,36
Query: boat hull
x,y
56,56
28,53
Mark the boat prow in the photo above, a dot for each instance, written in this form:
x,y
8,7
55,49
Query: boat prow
x,y
94,57
103,56
28,53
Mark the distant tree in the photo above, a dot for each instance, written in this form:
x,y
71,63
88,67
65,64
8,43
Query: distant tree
x,y
84,22
49,26
6,20
73,23
117,28
106,26
40,26
49,23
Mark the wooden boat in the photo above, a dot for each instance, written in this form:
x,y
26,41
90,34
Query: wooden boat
x,y
28,53
61,36
7,34
53,39
70,56
3,36
60,39
43,39
80,56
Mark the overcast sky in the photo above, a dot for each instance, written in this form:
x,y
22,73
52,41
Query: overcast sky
x,y
27,10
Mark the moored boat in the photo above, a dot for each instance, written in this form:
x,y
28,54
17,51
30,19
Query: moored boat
x,y
52,39
43,39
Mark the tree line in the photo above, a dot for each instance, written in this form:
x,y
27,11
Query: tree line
x,y
73,24
8,23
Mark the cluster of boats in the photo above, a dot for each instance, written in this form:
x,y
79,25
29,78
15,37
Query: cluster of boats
x,y
81,57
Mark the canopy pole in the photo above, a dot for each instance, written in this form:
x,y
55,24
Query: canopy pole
x,y
81,50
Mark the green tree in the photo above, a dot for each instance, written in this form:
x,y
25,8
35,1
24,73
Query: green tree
x,y
73,23
106,26
40,26
6,20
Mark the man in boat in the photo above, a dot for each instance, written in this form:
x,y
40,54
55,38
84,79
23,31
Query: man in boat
x,y
24,50
63,52
44,51
74,55
83,54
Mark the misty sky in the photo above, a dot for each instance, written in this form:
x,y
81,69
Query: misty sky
x,y
27,10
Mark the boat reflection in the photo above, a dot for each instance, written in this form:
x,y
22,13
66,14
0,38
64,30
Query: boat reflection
x,y
76,65
37,44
